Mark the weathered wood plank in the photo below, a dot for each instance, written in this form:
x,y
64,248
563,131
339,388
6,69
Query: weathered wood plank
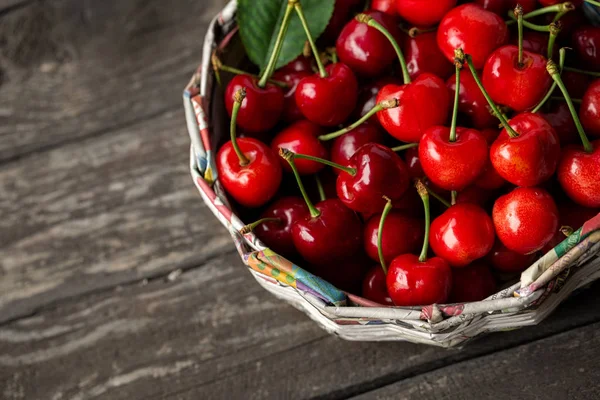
x,y
71,69
563,366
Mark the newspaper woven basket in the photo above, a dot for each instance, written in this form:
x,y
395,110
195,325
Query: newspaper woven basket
x,y
571,265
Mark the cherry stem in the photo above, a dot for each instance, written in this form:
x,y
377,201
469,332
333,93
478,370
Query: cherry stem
x,y
367,19
384,214
453,195
437,196
351,171
561,61
414,31
250,227
511,132
309,37
566,230
384,105
581,71
238,98
236,71
553,71
459,61
332,52
560,10
558,98
518,12
289,157
424,194
593,2
322,196
405,147
554,31
529,25
278,44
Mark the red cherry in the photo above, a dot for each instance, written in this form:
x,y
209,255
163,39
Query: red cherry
x,y
301,137
423,12
472,103
452,165
255,183
501,7
462,234
411,282
291,112
367,95
530,158
533,42
374,287
470,27
378,172
411,158
520,87
489,178
575,83
346,275
423,103
525,219
472,283
328,101
505,260
574,215
299,64
366,50
385,6
579,174
589,112
312,236
401,234
341,14
586,41
262,107
278,235
559,117
423,55
344,147
409,204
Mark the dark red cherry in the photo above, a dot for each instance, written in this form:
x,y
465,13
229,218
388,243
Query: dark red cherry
x,y
575,83
574,215
366,50
385,6
328,101
472,103
341,15
402,233
374,287
589,112
525,219
291,112
579,174
262,107
502,7
559,117
489,178
475,195
533,42
474,282
367,95
423,12
475,30
423,55
299,64
344,147
586,41
301,137
505,260
346,275
462,234
411,158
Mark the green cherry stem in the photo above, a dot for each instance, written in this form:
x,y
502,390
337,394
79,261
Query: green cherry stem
x,y
561,61
511,132
453,196
322,196
581,71
238,98
555,28
553,71
518,12
414,31
219,66
250,227
348,170
560,10
437,196
559,98
309,37
289,157
593,2
278,44
367,19
529,25
424,194
384,105
459,61
384,214
404,147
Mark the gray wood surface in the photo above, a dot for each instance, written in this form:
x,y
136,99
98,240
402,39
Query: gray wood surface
x,y
116,282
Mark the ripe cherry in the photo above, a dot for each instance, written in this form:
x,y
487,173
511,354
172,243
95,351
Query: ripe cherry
x,y
291,112
501,7
341,14
346,275
401,234
489,178
586,41
474,282
385,6
411,158
525,219
247,168
374,287
344,147
575,82
367,96
559,117
589,112
472,102
423,12
505,260
301,137
423,55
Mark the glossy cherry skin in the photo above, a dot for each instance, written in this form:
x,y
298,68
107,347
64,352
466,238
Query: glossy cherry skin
x,y
579,174
342,13
423,12
559,117
586,42
299,64
501,7
423,103
344,147
423,55
385,6
254,184
477,31
366,50
312,236
291,112
301,137
278,235
462,234
411,282
472,103
374,287
589,112
505,260
525,219
452,165
262,107
413,163
520,87
379,172
474,282
402,233
328,101
367,95
532,157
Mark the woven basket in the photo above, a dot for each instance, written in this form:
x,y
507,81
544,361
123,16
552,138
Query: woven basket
x,y
542,287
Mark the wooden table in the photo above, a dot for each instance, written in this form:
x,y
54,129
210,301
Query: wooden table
x,y
116,282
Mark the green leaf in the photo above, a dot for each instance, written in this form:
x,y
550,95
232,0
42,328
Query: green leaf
x,y
259,22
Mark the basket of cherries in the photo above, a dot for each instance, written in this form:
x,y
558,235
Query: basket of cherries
x,y
404,169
